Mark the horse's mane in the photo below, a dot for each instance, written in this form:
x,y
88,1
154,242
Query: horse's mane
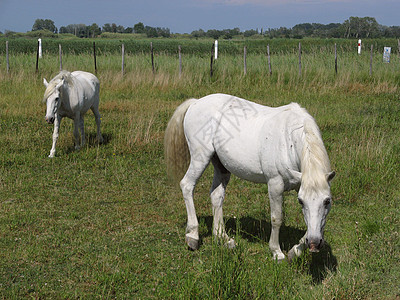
x,y
315,163
63,75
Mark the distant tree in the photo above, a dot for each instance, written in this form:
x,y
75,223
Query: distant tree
x,y
230,33
249,33
164,32
138,28
47,24
94,30
198,33
304,29
215,34
113,27
63,29
128,30
356,27
120,29
151,32
390,32
107,27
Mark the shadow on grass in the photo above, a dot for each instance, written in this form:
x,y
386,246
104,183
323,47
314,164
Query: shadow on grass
x,y
255,230
91,141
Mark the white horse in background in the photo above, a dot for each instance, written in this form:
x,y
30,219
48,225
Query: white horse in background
x,y
71,95
280,146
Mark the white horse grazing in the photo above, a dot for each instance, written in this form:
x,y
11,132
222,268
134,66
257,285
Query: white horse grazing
x,y
280,146
71,95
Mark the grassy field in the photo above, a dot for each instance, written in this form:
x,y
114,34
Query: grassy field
x,y
104,222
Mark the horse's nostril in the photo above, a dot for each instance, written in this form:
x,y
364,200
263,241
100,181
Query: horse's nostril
x,y
49,120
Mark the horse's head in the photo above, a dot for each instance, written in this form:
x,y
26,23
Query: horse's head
x,y
315,199
52,98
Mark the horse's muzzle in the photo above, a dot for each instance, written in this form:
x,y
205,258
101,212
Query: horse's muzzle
x,y
314,244
50,120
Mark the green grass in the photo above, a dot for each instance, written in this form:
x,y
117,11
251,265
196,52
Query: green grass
x,y
191,46
104,222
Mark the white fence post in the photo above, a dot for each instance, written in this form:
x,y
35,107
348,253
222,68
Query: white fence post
x,y
40,48
216,49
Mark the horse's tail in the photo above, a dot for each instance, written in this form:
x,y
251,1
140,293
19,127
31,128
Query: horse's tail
x,y
176,151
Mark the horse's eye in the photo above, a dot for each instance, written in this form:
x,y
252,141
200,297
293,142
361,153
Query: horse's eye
x,y
300,201
327,201
57,99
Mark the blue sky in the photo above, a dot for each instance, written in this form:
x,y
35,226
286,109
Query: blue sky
x,y
184,16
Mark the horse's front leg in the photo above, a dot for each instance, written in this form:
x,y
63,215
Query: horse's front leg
x,y
57,122
275,191
77,124
297,249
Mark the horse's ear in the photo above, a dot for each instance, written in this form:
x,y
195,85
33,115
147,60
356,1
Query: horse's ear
x,y
330,176
45,82
296,175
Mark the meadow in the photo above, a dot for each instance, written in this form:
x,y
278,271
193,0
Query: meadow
x,y
106,222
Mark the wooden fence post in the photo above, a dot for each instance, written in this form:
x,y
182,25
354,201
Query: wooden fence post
x,y
152,57
94,55
398,44
60,56
335,59
180,60
245,60
269,61
123,59
37,57
299,59
7,60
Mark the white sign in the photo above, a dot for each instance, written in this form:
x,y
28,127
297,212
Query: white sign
x,y
359,46
40,48
386,54
216,49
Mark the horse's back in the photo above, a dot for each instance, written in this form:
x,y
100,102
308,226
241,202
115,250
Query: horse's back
x,y
253,141
87,87
87,79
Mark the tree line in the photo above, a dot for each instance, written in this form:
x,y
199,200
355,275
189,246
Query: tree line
x,y
354,27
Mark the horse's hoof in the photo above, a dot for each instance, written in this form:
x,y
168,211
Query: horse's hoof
x,y
230,244
291,255
192,243
281,260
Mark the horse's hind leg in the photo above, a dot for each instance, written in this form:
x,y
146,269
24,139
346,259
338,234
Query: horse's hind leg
x,y
82,129
77,125
217,194
194,172
97,117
